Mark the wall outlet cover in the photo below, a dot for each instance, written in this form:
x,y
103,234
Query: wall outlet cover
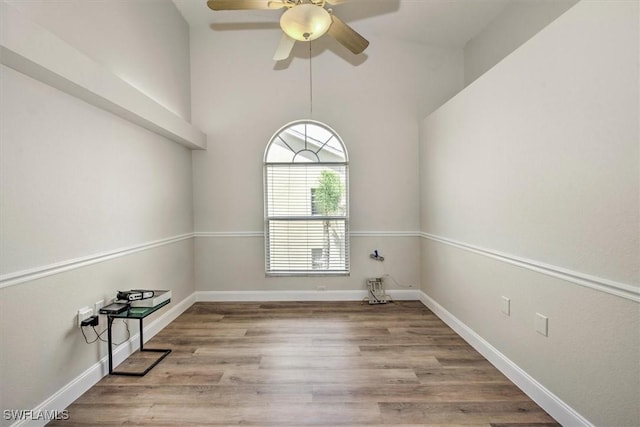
x,y
97,306
84,313
542,324
505,306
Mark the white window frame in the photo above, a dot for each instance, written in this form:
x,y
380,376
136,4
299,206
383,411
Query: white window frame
x,y
334,157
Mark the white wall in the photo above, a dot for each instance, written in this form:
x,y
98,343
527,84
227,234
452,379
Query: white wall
x,y
517,23
65,169
78,182
538,160
240,100
142,42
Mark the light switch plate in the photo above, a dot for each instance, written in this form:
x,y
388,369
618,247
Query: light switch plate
x,y
505,306
542,324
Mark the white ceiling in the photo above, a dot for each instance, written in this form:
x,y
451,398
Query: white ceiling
x,y
450,23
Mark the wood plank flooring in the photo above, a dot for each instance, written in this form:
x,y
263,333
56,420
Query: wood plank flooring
x,y
309,363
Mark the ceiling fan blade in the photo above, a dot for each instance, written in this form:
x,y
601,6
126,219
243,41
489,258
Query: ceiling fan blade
x,y
336,2
284,48
278,4
347,36
242,4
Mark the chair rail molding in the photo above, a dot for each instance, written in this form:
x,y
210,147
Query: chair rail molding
x,y
28,275
618,289
351,233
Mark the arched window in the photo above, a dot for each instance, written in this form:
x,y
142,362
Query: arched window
x,y
306,201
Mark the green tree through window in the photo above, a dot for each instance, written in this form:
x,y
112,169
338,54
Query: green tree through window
x,y
328,195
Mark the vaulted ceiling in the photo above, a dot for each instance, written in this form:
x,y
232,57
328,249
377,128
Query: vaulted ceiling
x,y
450,23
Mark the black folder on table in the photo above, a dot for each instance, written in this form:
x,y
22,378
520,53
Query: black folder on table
x,y
114,308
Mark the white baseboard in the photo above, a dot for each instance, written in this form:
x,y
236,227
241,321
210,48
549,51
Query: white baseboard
x,y
551,403
76,388
73,390
272,296
558,409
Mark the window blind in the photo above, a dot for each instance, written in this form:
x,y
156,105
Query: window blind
x,y
306,218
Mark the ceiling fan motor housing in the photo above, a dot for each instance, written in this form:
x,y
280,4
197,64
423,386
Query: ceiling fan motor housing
x,y
305,22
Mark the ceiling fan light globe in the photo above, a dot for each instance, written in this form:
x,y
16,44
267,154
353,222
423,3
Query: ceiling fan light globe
x,y
305,22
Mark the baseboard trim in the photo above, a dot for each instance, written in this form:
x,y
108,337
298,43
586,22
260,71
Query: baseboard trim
x,y
273,296
229,234
76,388
558,409
385,234
551,403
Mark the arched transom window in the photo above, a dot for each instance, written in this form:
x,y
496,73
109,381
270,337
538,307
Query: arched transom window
x,y
306,201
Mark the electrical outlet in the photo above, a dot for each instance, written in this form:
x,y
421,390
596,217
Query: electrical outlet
x,y
97,306
84,313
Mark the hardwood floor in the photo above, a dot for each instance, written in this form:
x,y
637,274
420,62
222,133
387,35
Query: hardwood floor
x,y
309,363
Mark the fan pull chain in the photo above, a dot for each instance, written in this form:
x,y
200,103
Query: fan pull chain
x,y
310,84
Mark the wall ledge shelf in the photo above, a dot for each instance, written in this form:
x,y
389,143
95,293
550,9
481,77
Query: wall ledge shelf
x,y
32,50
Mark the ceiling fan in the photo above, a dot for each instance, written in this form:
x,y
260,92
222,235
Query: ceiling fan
x,y
303,20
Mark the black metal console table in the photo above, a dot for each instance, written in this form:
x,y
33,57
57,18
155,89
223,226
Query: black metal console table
x,y
135,313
